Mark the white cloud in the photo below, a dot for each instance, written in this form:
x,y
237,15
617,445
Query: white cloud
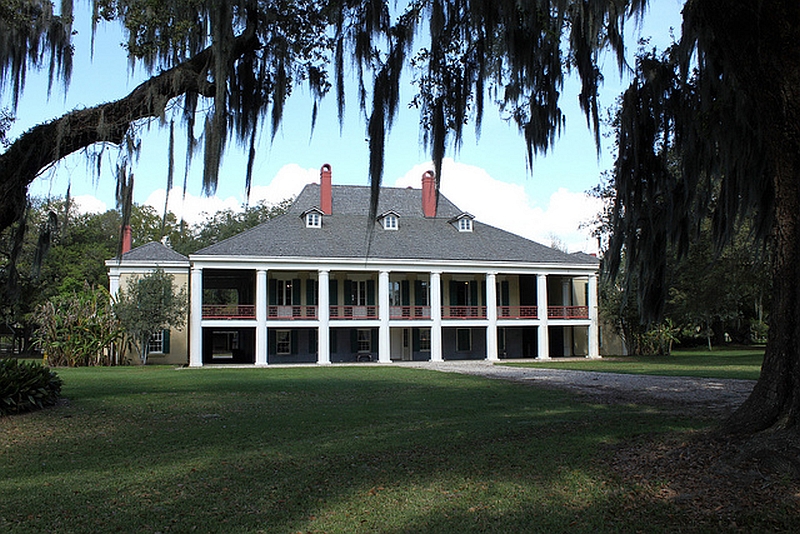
x,y
288,182
89,204
509,207
193,209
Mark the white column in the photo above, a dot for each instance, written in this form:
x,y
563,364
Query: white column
x,y
491,315
196,318
261,317
436,316
324,317
384,340
594,324
541,306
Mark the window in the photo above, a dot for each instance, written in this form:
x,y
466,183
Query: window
x,y
465,294
283,292
395,294
283,341
425,339
364,340
463,339
156,343
390,222
465,224
359,292
313,220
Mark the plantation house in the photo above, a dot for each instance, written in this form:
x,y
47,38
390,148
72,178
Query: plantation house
x,y
423,280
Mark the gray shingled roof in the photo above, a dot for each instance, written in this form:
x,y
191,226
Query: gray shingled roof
x,y
153,252
347,234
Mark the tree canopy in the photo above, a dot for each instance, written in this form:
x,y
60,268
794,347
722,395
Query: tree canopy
x,y
232,65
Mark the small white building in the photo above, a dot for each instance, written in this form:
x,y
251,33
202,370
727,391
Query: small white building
x,y
424,280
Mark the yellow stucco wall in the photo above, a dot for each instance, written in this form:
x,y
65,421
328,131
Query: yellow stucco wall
x,y
178,339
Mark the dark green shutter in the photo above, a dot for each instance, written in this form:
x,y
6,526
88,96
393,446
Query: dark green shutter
x,y
415,339
454,294
310,293
353,340
405,294
504,293
348,293
370,292
296,292
312,340
272,291
473,293
333,292
165,341
272,344
483,294
419,295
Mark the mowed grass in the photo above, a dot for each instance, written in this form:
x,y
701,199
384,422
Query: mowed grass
x,y
743,363
338,449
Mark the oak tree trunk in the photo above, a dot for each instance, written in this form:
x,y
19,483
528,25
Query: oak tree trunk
x,y
775,400
768,68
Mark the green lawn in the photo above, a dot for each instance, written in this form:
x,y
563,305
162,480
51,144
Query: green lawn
x,y
719,363
341,449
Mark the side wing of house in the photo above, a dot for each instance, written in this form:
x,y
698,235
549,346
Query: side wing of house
x,y
170,346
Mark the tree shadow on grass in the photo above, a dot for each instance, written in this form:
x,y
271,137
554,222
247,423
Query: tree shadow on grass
x,y
334,450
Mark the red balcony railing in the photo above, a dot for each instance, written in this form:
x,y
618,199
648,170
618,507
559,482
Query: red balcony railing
x,y
248,311
568,312
410,312
293,312
354,312
229,311
517,312
463,312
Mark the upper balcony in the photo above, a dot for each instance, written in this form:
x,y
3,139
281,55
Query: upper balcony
x,y
248,311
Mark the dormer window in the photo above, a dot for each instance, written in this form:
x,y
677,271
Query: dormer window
x,y
389,220
313,218
463,222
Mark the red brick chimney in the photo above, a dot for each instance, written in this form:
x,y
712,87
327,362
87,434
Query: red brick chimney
x,y
325,194
126,238
429,194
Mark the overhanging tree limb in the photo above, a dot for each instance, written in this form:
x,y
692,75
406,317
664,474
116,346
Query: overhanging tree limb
x,y
45,144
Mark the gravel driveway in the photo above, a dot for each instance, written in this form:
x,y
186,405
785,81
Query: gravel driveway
x,y
698,396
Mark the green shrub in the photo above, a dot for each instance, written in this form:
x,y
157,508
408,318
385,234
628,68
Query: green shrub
x,y
77,329
26,386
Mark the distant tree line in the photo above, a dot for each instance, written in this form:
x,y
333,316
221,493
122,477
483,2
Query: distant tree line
x,y
715,294
56,252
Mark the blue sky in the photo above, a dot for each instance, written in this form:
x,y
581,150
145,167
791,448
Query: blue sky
x,y
488,177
